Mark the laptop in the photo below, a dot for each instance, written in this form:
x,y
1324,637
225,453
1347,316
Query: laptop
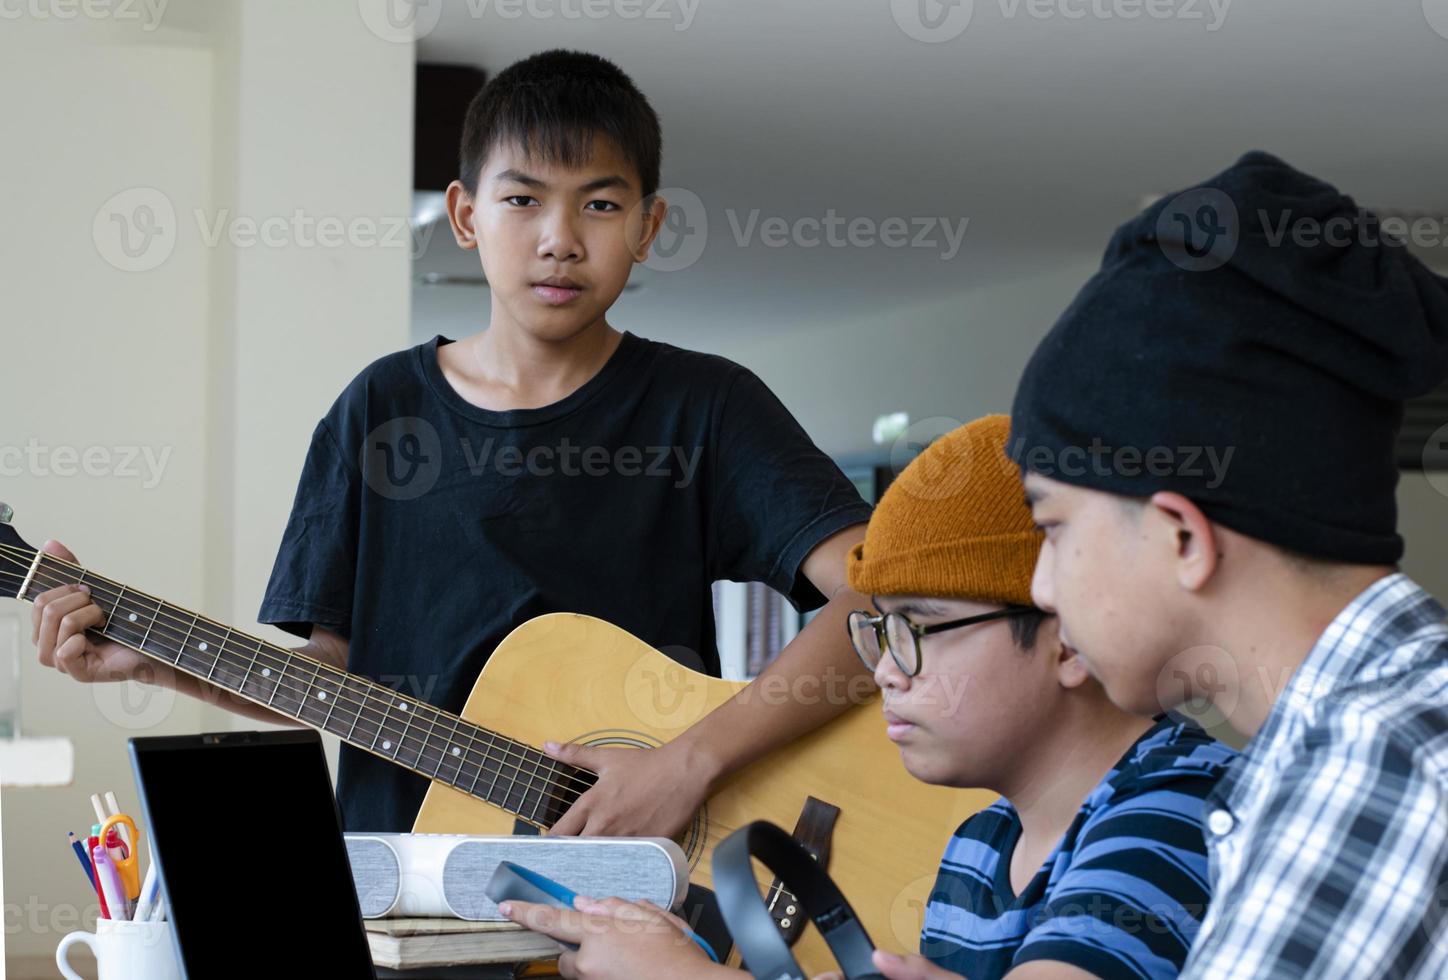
x,y
247,839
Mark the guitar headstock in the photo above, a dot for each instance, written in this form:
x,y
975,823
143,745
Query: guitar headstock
x,y
15,555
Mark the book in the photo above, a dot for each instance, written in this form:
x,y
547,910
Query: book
x,y
409,943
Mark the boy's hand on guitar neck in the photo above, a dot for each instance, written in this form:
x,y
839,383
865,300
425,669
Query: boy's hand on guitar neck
x,y
59,622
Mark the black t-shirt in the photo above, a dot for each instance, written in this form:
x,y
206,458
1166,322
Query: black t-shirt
x,y
425,529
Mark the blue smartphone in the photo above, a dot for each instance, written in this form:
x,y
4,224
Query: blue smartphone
x,y
513,882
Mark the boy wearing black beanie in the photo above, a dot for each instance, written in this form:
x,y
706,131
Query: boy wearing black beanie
x,y
1207,439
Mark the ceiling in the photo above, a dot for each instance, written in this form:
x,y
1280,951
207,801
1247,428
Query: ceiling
x,y
1039,129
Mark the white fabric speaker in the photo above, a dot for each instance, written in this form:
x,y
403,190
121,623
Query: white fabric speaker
x,y
445,874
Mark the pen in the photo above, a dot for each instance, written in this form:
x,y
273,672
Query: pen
x,y
79,848
115,809
110,879
93,844
149,895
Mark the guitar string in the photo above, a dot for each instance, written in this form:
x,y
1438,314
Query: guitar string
x,y
7,550
361,708
508,755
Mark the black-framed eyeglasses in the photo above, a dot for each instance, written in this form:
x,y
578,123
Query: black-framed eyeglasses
x,y
872,635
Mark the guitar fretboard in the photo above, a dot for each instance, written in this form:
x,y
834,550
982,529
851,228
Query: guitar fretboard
x,y
413,734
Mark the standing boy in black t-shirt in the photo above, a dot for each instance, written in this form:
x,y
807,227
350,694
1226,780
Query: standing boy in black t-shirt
x,y
550,463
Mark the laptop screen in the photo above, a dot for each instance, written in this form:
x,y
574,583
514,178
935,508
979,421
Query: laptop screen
x,y
247,840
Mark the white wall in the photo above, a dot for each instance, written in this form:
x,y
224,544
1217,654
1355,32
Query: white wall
x,y
220,357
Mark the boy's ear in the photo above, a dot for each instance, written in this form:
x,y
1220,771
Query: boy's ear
x,y
1070,668
1191,538
644,223
460,215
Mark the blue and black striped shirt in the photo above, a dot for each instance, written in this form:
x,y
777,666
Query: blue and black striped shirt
x,y
1121,895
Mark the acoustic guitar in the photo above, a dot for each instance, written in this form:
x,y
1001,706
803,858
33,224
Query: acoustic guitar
x,y
562,676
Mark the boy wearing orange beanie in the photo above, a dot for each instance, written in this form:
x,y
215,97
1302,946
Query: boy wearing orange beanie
x,y
1093,862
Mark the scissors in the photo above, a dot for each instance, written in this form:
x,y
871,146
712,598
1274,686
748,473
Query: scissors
x,y
127,866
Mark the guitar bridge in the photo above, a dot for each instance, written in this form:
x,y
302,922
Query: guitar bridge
x,y
814,829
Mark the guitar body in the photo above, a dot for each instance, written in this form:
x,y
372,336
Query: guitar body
x,y
568,677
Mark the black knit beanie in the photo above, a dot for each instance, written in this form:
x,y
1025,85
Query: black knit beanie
x,y
1249,343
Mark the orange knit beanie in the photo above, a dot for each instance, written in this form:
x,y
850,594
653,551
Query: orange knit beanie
x,y
954,524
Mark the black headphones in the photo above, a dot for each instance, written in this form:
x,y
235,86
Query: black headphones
x,y
765,952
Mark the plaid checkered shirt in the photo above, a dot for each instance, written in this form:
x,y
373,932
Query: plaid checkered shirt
x,y
1328,838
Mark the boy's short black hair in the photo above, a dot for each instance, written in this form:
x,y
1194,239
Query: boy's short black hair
x,y
1025,627
552,105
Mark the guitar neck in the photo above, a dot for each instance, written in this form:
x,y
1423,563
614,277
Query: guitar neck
x,y
411,733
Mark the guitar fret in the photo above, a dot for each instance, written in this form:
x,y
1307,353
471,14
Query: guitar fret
x,y
473,789
458,752
275,684
497,770
245,674
220,647
444,748
304,699
332,707
441,755
150,626
406,723
186,639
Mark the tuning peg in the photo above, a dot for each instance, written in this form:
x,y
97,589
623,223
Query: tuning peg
x,y
6,512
